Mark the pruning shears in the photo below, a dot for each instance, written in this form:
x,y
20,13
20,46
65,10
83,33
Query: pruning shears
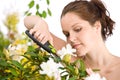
x,y
47,46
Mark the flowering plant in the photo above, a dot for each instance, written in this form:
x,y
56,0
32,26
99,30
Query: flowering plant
x,y
24,60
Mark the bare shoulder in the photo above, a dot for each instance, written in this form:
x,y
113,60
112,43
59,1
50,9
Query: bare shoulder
x,y
116,69
113,71
116,64
117,60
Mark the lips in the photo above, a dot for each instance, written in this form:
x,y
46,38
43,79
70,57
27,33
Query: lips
x,y
76,46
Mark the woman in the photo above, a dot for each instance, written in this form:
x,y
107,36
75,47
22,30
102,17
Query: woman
x,y
86,25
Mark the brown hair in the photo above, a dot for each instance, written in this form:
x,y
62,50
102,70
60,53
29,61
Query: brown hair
x,y
92,11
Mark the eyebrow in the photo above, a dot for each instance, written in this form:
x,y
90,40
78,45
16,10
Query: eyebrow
x,y
75,24
72,27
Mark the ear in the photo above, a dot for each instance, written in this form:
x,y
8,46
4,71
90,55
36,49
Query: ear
x,y
97,26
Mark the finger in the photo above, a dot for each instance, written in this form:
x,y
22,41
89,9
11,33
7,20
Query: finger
x,y
41,38
32,31
48,38
89,71
44,40
37,34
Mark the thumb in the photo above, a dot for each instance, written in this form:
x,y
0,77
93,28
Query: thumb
x,y
89,71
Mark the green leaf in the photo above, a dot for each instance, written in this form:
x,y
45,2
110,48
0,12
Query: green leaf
x,y
37,6
37,13
31,4
5,77
13,71
4,42
26,12
48,2
31,48
70,68
49,12
72,78
29,14
44,14
33,55
17,64
64,77
82,65
3,63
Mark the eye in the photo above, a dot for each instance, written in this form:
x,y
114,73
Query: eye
x,y
77,29
66,34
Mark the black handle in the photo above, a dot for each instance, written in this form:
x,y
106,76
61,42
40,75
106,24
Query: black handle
x,y
47,46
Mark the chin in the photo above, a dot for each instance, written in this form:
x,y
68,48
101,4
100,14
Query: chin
x,y
80,54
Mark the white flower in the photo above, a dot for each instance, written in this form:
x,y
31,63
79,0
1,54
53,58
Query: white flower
x,y
66,50
95,76
51,69
16,52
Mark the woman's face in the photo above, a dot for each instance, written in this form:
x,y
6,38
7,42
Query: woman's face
x,y
80,34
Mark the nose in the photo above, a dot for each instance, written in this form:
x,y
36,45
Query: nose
x,y
71,38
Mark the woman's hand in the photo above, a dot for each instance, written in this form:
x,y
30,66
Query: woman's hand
x,y
89,71
39,28
41,32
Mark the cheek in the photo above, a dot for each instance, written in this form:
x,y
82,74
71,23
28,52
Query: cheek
x,y
89,37
87,40
90,41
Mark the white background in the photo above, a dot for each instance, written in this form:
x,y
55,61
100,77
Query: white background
x,y
56,6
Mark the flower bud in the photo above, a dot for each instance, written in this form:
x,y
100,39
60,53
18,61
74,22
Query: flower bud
x,y
76,71
67,58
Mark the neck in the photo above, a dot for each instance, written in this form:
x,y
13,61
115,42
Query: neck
x,y
98,59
